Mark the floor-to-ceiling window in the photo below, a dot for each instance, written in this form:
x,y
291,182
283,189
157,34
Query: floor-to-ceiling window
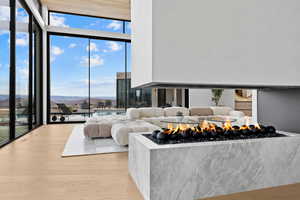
x,y
20,70
69,75
4,72
83,77
93,66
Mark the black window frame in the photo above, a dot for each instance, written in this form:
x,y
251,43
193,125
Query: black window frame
x,y
49,34
12,72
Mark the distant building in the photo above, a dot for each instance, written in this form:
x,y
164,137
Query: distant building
x,y
135,97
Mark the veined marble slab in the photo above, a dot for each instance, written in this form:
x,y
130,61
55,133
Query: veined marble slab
x,y
200,170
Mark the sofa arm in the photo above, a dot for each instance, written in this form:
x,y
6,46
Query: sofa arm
x,y
236,113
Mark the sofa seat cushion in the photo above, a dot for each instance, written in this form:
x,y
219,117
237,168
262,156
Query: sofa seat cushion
x,y
172,111
221,110
201,111
120,131
151,112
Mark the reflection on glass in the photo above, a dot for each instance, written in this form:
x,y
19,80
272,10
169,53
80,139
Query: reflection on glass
x,y
4,77
136,97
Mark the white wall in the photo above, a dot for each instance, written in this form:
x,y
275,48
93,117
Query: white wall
x,y
202,98
215,42
141,46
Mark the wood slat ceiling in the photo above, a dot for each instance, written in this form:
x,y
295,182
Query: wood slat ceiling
x,y
116,9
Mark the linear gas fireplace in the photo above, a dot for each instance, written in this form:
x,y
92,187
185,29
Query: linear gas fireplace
x,y
206,132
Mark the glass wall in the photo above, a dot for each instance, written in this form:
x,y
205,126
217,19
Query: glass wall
x,y
69,75
4,73
90,87
20,71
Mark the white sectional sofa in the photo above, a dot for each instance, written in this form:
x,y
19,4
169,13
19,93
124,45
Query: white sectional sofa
x,y
149,119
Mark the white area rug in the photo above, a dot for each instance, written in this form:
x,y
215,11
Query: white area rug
x,y
78,145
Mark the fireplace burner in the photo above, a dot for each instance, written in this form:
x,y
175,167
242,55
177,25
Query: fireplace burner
x,y
206,132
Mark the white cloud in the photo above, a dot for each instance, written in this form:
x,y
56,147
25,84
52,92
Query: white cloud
x,y
93,47
115,25
24,72
55,50
114,46
4,13
22,39
22,15
95,61
57,20
72,45
105,81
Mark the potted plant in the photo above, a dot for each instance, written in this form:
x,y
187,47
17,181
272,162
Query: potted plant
x,y
216,95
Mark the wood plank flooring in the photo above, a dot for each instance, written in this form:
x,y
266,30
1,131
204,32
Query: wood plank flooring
x,y
32,168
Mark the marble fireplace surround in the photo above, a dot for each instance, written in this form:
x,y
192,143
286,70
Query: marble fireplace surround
x,y
200,170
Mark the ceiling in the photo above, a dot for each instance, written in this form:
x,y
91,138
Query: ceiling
x,y
116,9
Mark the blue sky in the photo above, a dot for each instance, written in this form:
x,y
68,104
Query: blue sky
x,y
22,50
69,57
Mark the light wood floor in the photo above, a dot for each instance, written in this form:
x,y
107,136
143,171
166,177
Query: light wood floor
x,y
31,168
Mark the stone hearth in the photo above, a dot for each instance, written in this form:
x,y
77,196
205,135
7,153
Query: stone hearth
x,y
198,170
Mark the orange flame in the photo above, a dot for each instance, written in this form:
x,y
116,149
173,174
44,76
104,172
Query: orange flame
x,y
204,125
257,126
227,125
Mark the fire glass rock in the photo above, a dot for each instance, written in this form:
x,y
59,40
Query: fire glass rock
x,y
271,129
154,133
186,133
236,130
161,136
214,133
245,130
263,129
196,135
173,136
219,130
228,133
206,133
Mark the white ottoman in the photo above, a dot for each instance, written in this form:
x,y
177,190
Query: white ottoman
x,y
120,131
100,127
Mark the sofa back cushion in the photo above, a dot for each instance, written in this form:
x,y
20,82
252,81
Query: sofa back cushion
x,y
133,113
221,110
151,112
172,111
201,111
